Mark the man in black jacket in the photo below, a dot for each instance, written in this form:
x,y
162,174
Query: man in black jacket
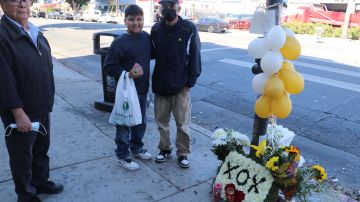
x,y
26,96
177,66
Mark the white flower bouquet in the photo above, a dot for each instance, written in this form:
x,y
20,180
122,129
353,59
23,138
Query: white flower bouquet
x,y
226,140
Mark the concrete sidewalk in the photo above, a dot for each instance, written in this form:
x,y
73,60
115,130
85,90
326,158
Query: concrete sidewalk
x,y
82,155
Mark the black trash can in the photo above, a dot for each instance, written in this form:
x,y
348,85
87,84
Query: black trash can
x,y
109,84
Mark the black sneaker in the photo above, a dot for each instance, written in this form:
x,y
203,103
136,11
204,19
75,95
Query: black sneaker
x,y
162,156
49,187
32,199
183,162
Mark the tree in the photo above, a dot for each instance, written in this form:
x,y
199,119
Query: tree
x,y
76,4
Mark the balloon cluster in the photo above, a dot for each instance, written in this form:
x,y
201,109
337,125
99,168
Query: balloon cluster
x,y
279,77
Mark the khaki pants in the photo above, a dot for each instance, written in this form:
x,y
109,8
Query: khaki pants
x,y
180,106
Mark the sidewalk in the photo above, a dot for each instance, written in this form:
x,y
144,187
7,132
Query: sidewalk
x,y
82,155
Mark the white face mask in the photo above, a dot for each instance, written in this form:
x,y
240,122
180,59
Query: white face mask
x,y
35,126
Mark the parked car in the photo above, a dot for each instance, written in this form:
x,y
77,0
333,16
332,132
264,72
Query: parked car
x,y
41,14
66,16
211,25
107,18
78,16
33,14
239,21
92,15
53,15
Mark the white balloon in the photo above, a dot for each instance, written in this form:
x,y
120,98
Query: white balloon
x,y
275,38
258,83
289,32
257,48
271,62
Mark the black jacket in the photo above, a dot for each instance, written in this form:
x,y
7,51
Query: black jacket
x,y
177,57
124,52
26,73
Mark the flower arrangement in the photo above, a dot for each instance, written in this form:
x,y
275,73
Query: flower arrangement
x,y
226,140
274,166
275,169
245,181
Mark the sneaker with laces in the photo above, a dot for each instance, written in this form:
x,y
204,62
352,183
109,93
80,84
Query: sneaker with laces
x,y
127,164
143,154
162,156
183,162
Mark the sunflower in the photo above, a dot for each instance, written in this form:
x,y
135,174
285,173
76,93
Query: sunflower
x,y
292,149
270,164
321,175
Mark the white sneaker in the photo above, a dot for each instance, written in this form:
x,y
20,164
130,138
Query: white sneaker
x,y
143,155
127,164
183,162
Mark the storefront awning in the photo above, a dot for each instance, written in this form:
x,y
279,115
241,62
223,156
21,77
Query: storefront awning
x,y
45,6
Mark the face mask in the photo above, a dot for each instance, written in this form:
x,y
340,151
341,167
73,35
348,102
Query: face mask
x,y
35,126
169,14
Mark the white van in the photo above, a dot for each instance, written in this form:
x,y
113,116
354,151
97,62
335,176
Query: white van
x,y
92,15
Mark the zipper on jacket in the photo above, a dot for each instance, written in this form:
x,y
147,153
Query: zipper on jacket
x,y
168,47
37,42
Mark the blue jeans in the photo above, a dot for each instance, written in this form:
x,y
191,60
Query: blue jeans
x,y
123,133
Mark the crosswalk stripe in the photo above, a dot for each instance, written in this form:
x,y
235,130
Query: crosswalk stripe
x,y
237,62
332,82
216,49
316,79
328,69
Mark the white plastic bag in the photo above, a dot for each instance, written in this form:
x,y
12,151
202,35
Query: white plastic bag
x,y
126,110
262,20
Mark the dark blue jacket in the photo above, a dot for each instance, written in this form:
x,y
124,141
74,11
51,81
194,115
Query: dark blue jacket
x,y
124,52
177,57
26,73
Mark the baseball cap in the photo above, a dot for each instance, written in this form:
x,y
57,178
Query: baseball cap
x,y
173,1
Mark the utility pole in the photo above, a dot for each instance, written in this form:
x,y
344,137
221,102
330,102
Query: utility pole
x,y
349,9
117,8
261,124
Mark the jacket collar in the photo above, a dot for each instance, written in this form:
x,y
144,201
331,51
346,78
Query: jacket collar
x,y
175,27
14,30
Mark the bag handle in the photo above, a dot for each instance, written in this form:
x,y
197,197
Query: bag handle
x,y
120,88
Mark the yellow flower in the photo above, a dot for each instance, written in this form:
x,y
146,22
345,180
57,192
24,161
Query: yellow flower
x,y
292,149
321,171
260,150
270,164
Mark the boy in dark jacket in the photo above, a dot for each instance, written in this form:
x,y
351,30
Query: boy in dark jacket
x,y
178,65
131,52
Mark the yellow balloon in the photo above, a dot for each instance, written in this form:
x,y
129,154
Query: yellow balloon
x,y
274,87
291,49
262,107
288,65
281,106
294,82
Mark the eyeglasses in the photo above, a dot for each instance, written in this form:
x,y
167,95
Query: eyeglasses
x,y
18,2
